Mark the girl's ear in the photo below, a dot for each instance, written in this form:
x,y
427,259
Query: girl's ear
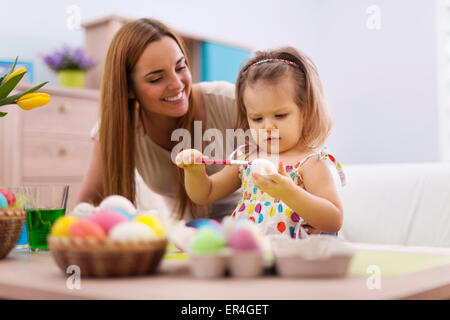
x,y
131,94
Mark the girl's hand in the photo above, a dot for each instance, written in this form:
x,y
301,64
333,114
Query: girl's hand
x,y
186,160
275,185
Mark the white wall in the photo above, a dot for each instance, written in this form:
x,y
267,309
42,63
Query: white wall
x,y
381,83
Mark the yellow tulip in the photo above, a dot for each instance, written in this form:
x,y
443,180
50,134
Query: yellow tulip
x,y
33,100
15,73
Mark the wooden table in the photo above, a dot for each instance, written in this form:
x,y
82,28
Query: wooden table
x,y
25,275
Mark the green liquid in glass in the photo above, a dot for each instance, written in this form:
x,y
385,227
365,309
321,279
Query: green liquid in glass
x,y
39,224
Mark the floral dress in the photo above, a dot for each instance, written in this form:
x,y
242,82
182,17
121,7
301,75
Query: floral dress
x,y
271,215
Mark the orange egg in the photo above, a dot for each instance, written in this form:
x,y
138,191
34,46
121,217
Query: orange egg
x,y
85,229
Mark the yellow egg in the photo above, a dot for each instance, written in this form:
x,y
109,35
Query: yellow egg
x,y
61,225
153,222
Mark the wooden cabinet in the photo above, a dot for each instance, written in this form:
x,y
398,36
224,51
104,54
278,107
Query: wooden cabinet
x,y
49,144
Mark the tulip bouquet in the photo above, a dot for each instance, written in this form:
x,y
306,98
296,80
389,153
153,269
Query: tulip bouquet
x,y
26,100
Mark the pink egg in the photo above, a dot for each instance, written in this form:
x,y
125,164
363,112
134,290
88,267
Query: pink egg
x,y
85,229
243,239
107,219
10,197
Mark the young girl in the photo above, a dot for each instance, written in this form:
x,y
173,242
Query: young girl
x,y
279,96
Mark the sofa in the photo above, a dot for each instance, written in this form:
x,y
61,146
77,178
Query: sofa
x,y
404,204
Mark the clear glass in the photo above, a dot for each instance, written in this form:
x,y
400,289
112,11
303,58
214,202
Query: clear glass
x,y
44,205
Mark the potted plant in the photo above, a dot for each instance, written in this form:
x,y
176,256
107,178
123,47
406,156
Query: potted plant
x,y
70,64
26,100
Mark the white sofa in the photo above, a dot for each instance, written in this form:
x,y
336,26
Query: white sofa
x,y
401,204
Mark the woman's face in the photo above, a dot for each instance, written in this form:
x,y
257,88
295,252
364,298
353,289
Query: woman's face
x,y
161,79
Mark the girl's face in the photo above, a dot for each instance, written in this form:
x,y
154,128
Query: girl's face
x,y
162,81
271,109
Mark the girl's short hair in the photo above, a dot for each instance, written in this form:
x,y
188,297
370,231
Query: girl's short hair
x,y
270,66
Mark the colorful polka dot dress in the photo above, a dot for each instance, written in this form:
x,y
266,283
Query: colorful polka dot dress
x,y
270,215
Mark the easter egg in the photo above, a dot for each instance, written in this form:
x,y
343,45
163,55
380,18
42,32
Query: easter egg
x,y
83,210
132,231
10,197
263,167
123,212
201,223
153,222
85,229
243,239
207,240
61,225
3,202
106,219
117,201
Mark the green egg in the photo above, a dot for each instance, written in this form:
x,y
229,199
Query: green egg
x,y
207,240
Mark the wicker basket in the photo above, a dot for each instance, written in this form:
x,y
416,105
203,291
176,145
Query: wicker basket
x,y
11,224
107,258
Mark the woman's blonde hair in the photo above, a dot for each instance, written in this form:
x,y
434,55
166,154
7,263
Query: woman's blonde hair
x,y
309,96
118,110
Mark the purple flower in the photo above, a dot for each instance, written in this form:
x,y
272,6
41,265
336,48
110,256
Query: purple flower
x,y
68,58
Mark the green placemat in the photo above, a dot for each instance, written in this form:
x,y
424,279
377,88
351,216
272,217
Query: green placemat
x,y
394,263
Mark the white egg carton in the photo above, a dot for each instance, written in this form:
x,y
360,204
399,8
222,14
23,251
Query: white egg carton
x,y
238,263
315,256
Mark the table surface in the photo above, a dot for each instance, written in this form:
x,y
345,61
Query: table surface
x,y
406,273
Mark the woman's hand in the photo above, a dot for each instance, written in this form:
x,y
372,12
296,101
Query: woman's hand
x,y
188,160
275,185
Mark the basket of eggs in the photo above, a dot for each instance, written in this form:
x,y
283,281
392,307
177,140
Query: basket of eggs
x,y
12,219
110,240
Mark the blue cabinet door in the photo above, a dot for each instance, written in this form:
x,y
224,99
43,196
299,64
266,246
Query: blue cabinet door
x,y
221,62
29,76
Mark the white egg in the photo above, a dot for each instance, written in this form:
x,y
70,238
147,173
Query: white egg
x,y
119,202
263,167
83,210
132,231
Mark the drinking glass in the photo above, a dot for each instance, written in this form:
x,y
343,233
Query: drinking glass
x,y
44,204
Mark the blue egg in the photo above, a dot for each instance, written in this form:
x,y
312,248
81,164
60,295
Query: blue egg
x,y
123,212
204,223
3,201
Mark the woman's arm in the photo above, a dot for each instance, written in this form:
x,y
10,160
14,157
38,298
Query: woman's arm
x,y
204,189
91,188
319,204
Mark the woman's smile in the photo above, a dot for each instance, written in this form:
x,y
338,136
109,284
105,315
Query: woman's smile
x,y
175,98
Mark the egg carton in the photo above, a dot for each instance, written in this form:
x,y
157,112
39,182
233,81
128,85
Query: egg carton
x,y
243,264
315,256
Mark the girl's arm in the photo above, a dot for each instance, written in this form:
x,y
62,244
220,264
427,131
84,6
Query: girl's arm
x,y
201,188
320,205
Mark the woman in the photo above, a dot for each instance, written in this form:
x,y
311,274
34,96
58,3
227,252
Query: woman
x,y
146,94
